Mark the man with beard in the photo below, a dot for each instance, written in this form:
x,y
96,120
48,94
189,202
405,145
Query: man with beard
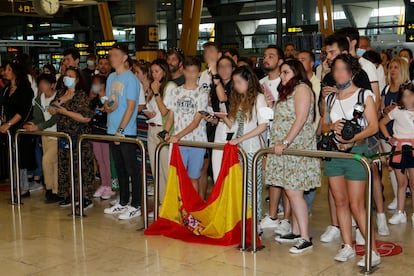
x,y
272,60
104,67
175,59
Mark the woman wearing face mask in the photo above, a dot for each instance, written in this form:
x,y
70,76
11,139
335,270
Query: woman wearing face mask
x,y
44,121
347,178
156,110
17,109
74,114
99,127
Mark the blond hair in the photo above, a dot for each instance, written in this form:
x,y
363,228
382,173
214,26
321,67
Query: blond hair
x,y
404,70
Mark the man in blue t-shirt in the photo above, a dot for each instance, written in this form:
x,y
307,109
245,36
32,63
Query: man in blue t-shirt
x,y
122,92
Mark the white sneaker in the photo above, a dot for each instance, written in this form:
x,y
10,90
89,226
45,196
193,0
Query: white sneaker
x,y
393,205
382,225
331,233
345,253
116,209
359,238
283,228
375,260
132,212
114,202
150,190
398,218
267,222
354,224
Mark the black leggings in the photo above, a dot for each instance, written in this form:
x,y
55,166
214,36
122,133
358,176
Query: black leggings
x,y
126,164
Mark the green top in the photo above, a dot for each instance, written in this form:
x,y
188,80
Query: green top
x,y
39,118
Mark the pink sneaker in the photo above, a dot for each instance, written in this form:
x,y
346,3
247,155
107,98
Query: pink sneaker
x,y
99,191
107,193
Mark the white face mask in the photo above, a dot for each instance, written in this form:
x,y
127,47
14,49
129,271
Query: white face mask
x,y
90,62
69,82
96,88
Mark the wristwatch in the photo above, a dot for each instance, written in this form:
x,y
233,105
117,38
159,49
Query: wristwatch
x,y
120,130
388,138
156,94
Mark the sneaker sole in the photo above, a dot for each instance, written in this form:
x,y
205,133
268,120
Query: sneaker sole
x,y
400,222
330,240
372,263
286,241
343,260
294,250
127,218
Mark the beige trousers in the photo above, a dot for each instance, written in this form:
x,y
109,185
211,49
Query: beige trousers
x,y
50,163
152,144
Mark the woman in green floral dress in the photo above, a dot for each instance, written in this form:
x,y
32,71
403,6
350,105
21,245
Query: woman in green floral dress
x,y
293,127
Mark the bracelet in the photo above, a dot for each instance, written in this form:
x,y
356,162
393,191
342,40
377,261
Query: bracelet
x,y
216,77
120,130
387,139
156,94
286,143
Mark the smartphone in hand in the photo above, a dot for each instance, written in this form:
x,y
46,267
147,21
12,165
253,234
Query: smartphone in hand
x,y
162,134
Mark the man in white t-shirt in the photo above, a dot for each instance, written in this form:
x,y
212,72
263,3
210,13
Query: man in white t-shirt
x,y
212,53
273,58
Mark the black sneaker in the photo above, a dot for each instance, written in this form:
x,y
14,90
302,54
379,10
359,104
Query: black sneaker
x,y
53,198
87,203
301,246
288,238
65,203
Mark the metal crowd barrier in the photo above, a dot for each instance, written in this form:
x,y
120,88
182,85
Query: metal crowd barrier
x,y
10,155
218,146
318,154
47,134
110,138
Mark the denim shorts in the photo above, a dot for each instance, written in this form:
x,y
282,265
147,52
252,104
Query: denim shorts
x,y
350,169
193,159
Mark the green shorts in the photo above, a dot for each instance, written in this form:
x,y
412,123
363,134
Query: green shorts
x,y
351,169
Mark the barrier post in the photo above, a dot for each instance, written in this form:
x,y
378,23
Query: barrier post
x,y
49,134
318,154
10,156
219,146
110,138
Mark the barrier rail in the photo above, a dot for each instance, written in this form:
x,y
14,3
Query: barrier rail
x,y
48,134
110,138
319,154
10,156
218,146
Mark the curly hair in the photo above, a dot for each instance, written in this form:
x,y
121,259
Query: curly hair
x,y
244,101
351,63
403,87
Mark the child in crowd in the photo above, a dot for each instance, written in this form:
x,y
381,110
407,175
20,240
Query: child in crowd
x,y
184,104
402,140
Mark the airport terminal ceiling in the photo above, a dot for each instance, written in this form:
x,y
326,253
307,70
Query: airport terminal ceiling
x,y
248,25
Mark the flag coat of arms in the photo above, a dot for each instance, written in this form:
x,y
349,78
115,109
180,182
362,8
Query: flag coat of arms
x,y
185,216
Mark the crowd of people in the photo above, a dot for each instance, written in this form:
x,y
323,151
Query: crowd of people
x,y
355,100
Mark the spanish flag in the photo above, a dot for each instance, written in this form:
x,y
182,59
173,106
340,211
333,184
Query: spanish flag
x,y
185,216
